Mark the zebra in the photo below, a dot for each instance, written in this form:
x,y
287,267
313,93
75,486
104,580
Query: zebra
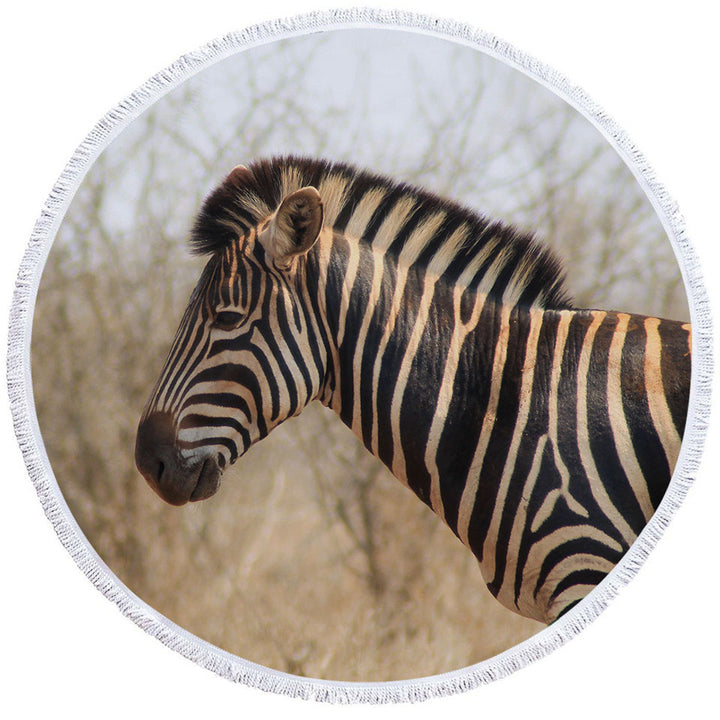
x,y
542,434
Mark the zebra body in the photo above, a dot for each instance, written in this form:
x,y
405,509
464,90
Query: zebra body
x,y
543,435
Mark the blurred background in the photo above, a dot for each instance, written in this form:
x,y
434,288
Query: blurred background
x,y
311,559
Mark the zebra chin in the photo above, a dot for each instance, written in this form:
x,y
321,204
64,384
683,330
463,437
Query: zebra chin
x,y
175,479
180,485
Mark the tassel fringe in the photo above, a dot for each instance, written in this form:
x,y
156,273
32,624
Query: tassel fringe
x,y
203,653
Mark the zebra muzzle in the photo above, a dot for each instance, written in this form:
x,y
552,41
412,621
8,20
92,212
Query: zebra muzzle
x,y
175,479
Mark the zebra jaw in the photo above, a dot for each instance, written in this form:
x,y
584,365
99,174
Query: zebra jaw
x,y
175,479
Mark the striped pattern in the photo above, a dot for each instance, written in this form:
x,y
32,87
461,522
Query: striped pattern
x,y
543,435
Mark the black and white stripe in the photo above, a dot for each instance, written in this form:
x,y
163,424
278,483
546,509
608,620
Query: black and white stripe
x,y
543,435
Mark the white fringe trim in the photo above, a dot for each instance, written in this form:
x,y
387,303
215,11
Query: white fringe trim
x,y
203,653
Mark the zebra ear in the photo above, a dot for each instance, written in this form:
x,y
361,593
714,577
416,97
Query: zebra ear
x,y
239,175
295,226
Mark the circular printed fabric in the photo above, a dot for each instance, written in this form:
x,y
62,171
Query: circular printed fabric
x,y
361,357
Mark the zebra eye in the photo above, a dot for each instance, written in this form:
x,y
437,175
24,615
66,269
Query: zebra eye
x,y
227,320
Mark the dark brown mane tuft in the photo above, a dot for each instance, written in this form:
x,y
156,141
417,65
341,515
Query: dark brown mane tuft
x,y
249,195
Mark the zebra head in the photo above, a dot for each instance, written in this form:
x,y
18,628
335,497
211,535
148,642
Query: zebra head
x,y
246,356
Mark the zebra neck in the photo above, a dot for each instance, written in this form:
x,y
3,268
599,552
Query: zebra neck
x,y
405,341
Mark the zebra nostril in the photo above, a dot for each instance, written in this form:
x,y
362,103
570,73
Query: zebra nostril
x,y
154,447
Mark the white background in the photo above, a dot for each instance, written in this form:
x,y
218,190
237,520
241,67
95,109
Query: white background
x,y
65,648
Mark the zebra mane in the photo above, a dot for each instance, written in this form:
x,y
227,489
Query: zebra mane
x,y
487,255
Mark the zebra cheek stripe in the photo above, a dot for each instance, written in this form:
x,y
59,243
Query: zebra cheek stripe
x,y
552,425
